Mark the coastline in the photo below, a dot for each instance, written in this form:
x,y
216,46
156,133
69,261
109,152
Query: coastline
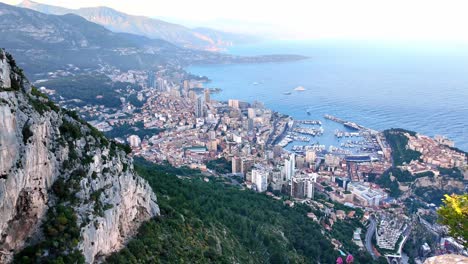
x,y
345,87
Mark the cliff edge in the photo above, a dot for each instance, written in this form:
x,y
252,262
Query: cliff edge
x,y
65,190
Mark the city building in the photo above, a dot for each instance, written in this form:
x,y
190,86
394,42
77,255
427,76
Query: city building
x,y
260,178
290,166
365,195
302,186
246,165
134,141
251,113
207,96
236,165
311,156
332,161
233,103
199,108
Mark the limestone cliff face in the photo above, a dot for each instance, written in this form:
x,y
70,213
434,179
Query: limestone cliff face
x,y
442,183
42,147
449,258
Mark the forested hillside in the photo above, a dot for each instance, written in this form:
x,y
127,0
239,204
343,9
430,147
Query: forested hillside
x,y
214,222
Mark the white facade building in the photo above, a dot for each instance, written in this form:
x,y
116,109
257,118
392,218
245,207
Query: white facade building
x,y
260,179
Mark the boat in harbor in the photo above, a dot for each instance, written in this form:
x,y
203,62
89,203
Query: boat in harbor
x,y
351,125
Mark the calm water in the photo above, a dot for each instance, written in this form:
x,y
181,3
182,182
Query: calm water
x,y
420,88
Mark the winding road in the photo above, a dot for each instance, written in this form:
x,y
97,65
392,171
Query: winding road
x,y
369,234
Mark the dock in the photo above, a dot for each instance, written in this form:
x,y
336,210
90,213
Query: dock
x,y
346,123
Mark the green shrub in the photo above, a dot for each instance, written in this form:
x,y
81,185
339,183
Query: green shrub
x,y
70,129
27,133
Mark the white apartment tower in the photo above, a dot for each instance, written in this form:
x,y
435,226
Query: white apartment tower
x,y
260,179
290,166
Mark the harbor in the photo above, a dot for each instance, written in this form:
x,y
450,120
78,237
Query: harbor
x,y
332,135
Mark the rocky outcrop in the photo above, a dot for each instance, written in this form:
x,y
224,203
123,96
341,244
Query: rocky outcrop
x,y
442,183
49,157
449,258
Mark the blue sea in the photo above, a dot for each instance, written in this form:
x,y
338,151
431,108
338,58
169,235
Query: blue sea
x,y
418,86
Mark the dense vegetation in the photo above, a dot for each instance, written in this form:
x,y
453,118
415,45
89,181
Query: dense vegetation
x,y
454,214
398,142
138,129
61,231
212,222
221,165
88,88
455,173
418,236
432,195
392,186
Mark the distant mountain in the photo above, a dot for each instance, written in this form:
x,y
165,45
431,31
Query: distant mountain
x,y
198,38
44,43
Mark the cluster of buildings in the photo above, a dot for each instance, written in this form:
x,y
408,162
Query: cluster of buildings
x,y
390,229
358,193
436,152
195,129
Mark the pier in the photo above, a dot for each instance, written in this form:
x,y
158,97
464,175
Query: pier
x,y
346,123
309,122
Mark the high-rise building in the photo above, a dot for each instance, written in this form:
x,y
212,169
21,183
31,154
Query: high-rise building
x,y
212,145
207,96
251,113
233,103
300,162
277,176
290,166
192,95
246,165
250,124
236,164
134,141
186,87
260,179
298,188
310,191
199,108
162,85
311,156
302,186
151,80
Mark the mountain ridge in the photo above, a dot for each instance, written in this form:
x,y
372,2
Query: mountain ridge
x,y
206,39
43,43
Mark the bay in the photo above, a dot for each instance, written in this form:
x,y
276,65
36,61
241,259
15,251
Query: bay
x,y
415,86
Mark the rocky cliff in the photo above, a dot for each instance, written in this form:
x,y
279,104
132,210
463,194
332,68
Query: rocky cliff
x,y
65,190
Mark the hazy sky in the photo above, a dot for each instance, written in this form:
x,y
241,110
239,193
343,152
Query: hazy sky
x,y
444,20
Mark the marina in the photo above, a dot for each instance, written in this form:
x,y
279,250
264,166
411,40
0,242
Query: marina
x,y
309,122
351,139
309,131
340,134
